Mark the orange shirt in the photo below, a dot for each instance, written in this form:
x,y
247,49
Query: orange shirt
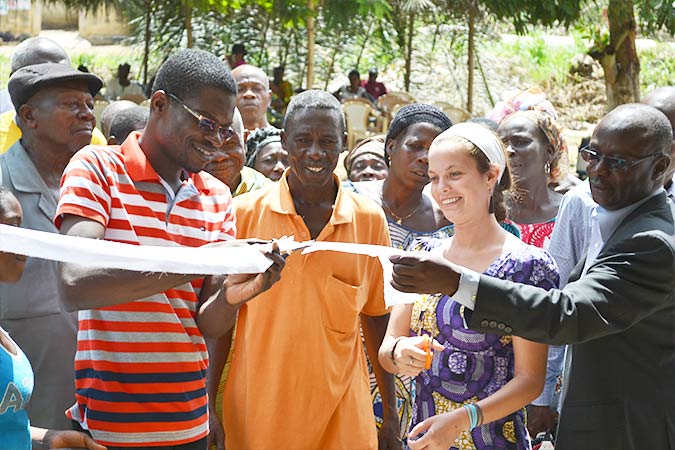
x,y
299,378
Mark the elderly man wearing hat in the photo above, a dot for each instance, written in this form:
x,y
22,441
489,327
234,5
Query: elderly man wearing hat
x,y
35,50
54,112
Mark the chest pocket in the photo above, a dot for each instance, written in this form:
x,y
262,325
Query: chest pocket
x,y
341,305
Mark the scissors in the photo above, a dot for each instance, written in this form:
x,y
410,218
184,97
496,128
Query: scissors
x,y
427,344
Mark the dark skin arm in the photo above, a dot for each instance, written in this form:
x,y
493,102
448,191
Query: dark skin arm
x,y
218,349
540,418
374,328
42,438
218,313
86,287
425,273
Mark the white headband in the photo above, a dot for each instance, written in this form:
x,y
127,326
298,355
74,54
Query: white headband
x,y
484,139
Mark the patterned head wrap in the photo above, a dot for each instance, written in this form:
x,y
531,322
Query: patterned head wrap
x,y
373,145
532,105
259,139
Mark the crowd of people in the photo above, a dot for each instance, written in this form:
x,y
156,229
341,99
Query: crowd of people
x,y
544,304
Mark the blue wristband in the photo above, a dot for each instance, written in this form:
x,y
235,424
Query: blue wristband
x,y
473,415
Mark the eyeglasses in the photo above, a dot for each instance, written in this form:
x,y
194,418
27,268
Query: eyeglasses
x,y
614,163
206,124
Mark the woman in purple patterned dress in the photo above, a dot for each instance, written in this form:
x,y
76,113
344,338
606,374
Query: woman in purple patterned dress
x,y
488,376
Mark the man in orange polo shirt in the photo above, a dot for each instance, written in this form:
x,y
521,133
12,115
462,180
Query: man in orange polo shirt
x,y
298,378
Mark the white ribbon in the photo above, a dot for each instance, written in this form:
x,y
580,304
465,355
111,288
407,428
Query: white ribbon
x,y
176,259
141,258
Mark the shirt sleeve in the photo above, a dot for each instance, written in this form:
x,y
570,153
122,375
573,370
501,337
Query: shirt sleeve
x,y
554,365
85,190
467,289
228,229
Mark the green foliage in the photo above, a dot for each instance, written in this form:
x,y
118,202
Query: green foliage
x,y
657,66
542,62
656,15
524,14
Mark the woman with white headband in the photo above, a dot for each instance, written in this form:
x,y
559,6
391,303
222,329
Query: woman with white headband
x,y
475,386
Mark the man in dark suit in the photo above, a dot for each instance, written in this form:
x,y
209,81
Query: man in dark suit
x,y
619,314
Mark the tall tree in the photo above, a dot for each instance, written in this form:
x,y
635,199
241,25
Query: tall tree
x,y
616,50
619,58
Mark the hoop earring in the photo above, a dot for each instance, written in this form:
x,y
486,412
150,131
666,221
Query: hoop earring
x,y
547,168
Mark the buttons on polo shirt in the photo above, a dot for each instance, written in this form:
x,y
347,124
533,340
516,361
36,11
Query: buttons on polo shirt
x,y
493,324
484,323
500,326
508,330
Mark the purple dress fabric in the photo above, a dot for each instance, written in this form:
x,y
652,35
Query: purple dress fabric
x,y
476,365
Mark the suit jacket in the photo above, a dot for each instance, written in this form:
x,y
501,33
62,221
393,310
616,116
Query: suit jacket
x,y
620,318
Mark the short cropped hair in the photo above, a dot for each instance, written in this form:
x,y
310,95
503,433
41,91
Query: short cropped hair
x,y
314,99
190,70
127,120
659,127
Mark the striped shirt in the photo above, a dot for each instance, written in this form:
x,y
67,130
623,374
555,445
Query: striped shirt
x,y
140,366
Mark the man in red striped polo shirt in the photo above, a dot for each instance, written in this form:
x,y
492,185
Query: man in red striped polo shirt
x,y
141,358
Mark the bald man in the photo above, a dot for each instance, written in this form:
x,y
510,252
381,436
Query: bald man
x,y
111,111
254,95
663,99
568,245
35,50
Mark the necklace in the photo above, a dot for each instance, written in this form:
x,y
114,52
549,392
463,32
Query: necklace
x,y
398,218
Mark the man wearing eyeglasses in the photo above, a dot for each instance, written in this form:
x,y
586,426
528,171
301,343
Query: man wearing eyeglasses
x,y
619,313
572,234
141,356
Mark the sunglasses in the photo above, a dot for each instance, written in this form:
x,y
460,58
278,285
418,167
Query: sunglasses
x,y
206,124
617,164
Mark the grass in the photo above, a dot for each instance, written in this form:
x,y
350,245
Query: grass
x,y
543,62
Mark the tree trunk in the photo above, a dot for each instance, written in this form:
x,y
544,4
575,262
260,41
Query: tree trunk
x,y
147,37
408,53
470,58
331,66
263,44
310,44
188,24
620,60
363,44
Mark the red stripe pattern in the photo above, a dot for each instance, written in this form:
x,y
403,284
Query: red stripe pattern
x,y
140,366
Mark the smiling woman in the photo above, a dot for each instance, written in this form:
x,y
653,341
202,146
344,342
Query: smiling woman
x,y
473,393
